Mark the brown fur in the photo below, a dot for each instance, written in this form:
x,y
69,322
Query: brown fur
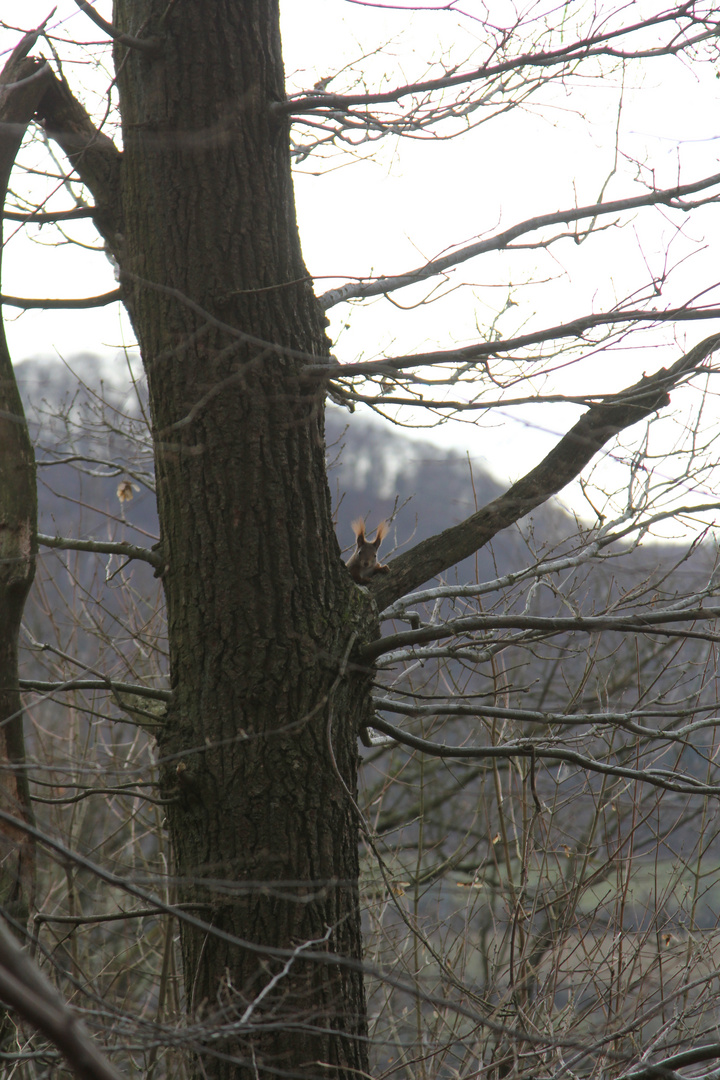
x,y
363,563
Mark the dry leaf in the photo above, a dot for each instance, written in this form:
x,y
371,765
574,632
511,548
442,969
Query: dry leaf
x,y
125,490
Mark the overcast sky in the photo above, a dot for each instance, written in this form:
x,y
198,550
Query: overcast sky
x,y
388,208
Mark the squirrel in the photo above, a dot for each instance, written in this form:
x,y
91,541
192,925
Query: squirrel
x,y
363,563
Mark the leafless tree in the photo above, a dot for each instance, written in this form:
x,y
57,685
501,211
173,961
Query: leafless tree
x,y
532,845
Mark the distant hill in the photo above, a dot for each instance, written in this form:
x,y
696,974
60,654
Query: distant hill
x,y
90,430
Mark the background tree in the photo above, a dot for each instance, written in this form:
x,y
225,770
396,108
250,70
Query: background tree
x,y
273,650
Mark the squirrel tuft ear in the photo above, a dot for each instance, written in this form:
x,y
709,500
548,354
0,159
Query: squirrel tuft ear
x,y
358,527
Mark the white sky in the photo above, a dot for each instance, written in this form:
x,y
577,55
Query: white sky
x,y
391,207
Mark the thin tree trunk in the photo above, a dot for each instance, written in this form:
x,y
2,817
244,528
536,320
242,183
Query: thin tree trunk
x,y
26,81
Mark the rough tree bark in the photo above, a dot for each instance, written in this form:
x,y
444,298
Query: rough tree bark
x,y
260,745
22,85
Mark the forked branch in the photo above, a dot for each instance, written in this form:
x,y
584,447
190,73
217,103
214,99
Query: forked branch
x,y
564,462
92,154
150,46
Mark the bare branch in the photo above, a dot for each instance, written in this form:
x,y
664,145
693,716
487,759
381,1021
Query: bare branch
x,y
91,153
595,45
95,684
26,990
70,304
564,462
378,286
661,1070
46,218
527,748
610,534
481,350
117,916
628,624
627,720
150,46
126,551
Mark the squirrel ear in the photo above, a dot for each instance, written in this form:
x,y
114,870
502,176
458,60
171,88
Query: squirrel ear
x,y
380,534
358,527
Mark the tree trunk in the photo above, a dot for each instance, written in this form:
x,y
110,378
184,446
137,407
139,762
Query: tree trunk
x,y
18,529
260,749
22,84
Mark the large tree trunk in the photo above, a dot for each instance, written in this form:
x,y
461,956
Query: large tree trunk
x,y
260,747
